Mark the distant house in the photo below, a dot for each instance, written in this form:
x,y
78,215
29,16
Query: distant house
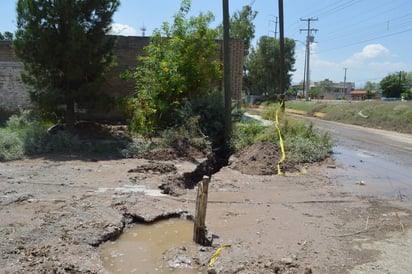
x,y
360,94
328,89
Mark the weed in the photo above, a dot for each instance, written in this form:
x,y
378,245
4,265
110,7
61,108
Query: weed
x,y
138,146
302,143
245,134
11,146
395,116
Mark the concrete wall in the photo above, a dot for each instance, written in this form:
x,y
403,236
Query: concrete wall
x,y
13,94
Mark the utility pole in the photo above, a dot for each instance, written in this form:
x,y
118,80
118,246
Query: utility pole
x,y
309,40
344,82
227,73
276,27
143,29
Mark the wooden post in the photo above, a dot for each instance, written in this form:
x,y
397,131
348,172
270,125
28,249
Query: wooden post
x,y
199,230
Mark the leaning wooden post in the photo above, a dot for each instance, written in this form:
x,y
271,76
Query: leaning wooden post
x,y
199,230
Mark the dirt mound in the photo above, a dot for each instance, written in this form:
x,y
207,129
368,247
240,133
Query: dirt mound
x,y
261,158
153,167
178,149
163,154
92,131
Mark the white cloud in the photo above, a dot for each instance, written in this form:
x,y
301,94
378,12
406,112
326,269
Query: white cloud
x,y
387,66
371,63
124,30
372,51
368,52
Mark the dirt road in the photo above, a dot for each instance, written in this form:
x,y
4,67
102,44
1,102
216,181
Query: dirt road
x,y
56,211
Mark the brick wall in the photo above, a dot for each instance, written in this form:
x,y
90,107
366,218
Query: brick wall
x,y
13,94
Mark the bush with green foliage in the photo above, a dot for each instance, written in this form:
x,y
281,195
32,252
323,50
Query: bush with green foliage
x,y
245,134
24,134
180,65
11,145
302,143
407,95
13,142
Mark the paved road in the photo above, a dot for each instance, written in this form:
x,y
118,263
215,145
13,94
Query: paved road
x,y
380,159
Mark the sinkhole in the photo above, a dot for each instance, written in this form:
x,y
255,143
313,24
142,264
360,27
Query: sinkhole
x,y
164,246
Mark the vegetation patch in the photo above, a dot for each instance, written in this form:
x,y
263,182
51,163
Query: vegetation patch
x,y
395,116
25,134
302,143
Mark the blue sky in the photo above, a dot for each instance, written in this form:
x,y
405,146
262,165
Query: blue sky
x,y
371,38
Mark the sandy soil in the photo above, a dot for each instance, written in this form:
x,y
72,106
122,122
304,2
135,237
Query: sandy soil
x,y
57,211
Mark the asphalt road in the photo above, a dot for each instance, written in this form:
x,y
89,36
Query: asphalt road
x,y
371,161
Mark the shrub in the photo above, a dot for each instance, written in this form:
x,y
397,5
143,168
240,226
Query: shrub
x,y
138,146
307,150
211,112
11,145
24,134
245,134
302,143
179,65
189,133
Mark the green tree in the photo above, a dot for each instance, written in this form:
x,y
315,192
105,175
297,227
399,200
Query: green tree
x,y
180,64
407,94
6,36
369,86
262,66
393,85
241,26
322,88
65,50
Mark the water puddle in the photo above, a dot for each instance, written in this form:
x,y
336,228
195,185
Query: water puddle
x,y
162,247
366,173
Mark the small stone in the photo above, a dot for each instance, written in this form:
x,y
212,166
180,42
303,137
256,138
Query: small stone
x,y
287,260
307,270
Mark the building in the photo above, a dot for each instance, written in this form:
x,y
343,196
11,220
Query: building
x,y
360,95
14,94
328,89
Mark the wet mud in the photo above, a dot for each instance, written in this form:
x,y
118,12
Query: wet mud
x,y
58,211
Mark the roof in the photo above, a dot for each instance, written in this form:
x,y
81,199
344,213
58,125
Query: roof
x,y
361,92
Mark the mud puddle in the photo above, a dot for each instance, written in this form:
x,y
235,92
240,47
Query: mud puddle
x,y
367,173
162,247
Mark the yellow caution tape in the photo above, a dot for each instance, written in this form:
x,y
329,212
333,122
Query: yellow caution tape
x,y
217,253
282,148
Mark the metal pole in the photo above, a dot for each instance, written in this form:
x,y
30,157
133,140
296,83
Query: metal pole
x,y
309,39
304,76
307,84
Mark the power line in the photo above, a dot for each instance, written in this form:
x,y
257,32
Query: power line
x,y
333,8
394,20
367,40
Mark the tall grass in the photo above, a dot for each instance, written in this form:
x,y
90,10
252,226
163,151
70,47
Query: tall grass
x,y
395,116
302,143
24,134
11,145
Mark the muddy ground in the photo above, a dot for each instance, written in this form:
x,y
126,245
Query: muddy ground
x,y
56,212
